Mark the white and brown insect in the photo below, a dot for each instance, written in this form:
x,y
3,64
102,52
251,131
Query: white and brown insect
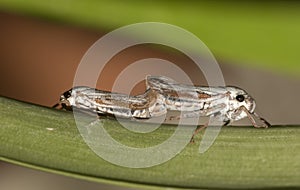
x,y
226,104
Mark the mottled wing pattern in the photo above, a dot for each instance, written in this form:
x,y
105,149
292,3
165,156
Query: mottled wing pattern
x,y
121,105
188,98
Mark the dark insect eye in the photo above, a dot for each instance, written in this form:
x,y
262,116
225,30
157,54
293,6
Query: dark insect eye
x,y
67,94
240,98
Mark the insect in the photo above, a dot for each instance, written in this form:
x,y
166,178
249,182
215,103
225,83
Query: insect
x,y
225,104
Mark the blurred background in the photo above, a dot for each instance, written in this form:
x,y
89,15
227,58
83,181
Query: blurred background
x,y
42,42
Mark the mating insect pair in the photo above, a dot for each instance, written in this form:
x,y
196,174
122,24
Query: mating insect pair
x,y
225,104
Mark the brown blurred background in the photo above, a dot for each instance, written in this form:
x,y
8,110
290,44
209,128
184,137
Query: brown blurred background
x,y
38,60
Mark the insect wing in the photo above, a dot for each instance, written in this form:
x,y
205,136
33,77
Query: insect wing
x,y
188,98
172,89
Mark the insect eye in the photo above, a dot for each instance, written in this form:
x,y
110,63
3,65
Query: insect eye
x,y
67,94
240,98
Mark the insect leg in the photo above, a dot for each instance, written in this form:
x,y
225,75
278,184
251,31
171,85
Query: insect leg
x,y
209,112
251,118
199,128
226,122
57,105
267,124
62,105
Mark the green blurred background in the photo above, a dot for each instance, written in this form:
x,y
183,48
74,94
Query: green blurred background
x,y
265,34
256,43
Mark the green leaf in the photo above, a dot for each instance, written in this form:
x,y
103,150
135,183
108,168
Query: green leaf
x,y
241,157
264,34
